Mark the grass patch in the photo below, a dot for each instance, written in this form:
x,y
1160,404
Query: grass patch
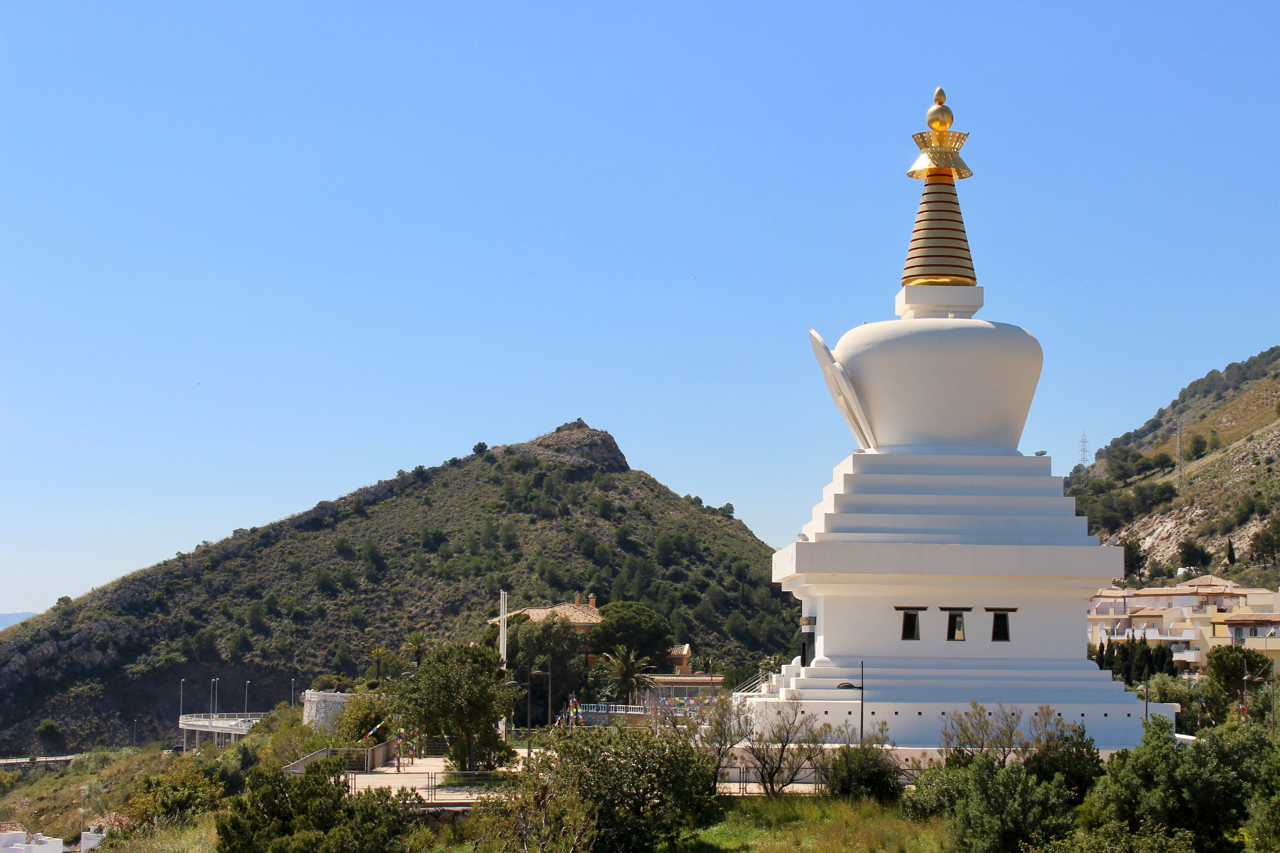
x,y
199,836
762,825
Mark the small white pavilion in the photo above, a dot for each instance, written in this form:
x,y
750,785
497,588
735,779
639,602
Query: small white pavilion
x,y
941,561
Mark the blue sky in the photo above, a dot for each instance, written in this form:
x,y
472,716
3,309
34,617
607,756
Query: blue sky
x,y
253,256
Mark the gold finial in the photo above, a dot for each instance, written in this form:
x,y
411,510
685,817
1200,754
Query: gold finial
x,y
939,250
939,116
940,145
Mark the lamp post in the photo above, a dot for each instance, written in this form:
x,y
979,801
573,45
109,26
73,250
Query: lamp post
x,y
862,696
548,675
291,681
528,711
182,683
246,697
135,731
212,681
1266,651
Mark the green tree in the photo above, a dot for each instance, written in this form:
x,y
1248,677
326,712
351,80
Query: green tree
x,y
1134,557
1235,668
363,713
552,645
415,646
1003,807
283,813
1202,787
537,812
646,787
459,690
639,628
1191,553
378,653
1069,754
626,672
184,791
1197,448
1121,462
48,731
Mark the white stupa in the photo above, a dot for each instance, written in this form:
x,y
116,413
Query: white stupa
x,y
940,559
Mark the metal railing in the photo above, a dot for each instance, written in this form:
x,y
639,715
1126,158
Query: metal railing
x,y
245,720
613,709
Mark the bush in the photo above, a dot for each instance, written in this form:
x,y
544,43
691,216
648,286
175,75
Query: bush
x,y
1116,838
861,770
1070,754
1002,807
48,731
646,787
535,812
313,811
185,791
1202,787
937,791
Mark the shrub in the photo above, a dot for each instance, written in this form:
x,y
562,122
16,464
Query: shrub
x,y
936,793
646,787
862,770
1202,787
1116,838
324,581
48,731
311,812
186,790
1002,807
536,811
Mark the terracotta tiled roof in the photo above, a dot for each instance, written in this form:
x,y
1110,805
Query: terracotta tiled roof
x,y
1209,580
578,614
1255,618
685,679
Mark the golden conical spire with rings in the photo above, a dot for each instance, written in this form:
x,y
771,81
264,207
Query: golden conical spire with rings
x,y
939,248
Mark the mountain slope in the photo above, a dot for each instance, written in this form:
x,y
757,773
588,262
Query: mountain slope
x,y
1228,484
427,550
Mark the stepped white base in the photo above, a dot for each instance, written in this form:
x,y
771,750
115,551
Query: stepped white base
x,y
915,696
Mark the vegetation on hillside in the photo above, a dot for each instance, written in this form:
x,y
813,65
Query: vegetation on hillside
x,y
426,551
1206,502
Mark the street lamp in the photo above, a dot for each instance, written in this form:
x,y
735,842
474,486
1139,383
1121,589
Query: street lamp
x,y
862,695
246,697
1266,652
528,711
182,683
212,681
135,731
291,681
548,675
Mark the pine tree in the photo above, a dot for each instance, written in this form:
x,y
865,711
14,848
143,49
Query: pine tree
x,y
1231,553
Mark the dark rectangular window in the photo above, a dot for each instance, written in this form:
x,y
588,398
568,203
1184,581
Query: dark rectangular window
x,y
955,625
999,627
910,625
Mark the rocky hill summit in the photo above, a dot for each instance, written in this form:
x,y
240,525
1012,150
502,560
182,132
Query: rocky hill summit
x,y
428,549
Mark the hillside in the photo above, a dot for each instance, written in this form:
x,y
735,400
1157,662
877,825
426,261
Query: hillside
x,y
426,550
1228,485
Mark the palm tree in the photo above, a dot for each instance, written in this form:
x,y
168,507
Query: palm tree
x,y
415,646
626,672
378,654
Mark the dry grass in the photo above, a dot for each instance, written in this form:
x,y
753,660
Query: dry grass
x,y
52,803
197,837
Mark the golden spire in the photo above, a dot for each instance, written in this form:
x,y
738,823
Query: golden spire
x,y
939,249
